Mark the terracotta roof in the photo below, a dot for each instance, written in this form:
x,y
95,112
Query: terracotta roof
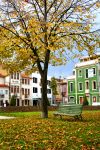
x,y
1,75
3,85
25,76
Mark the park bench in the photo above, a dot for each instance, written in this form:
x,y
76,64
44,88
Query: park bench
x,y
74,110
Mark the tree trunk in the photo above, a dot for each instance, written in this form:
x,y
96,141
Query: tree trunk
x,y
44,103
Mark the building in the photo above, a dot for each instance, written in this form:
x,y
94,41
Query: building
x,y
36,89
4,91
16,84
62,94
84,84
27,89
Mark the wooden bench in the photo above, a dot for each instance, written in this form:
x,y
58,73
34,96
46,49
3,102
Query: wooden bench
x,y
74,110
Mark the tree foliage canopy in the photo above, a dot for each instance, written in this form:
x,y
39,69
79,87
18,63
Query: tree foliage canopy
x,y
31,29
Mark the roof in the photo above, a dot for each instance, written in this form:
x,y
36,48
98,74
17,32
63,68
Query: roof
x,y
85,63
3,85
25,76
2,76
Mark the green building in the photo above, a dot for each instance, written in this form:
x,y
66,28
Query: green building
x,y
84,84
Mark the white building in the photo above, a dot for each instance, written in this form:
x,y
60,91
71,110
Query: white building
x,y
36,88
27,89
4,91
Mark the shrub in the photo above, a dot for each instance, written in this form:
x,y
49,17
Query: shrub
x,y
13,100
85,102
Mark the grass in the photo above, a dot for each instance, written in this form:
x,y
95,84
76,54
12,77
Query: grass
x,y
29,132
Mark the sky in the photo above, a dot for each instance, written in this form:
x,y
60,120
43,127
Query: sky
x,y
66,70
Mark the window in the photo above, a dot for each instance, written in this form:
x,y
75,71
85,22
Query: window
x,y
6,91
1,102
94,71
14,75
48,82
81,99
86,73
11,76
94,98
94,85
87,85
22,91
17,89
71,87
80,73
22,81
35,90
71,99
80,86
49,91
73,72
34,80
25,91
11,89
28,81
25,81
17,75
28,91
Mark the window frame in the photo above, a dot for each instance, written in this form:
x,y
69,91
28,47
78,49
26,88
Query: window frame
x,y
94,70
71,83
93,85
86,75
79,73
35,90
86,85
79,86
35,80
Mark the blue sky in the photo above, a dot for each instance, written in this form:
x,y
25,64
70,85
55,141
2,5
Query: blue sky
x,y
63,71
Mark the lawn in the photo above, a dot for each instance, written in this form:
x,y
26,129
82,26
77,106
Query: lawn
x,y
29,132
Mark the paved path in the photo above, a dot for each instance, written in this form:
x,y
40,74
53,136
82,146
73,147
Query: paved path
x,y
6,117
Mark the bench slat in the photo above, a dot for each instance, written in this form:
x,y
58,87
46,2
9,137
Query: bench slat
x,y
70,110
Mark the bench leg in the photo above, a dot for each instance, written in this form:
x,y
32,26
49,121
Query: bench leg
x,y
79,117
76,117
60,116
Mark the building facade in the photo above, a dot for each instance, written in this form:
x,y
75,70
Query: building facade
x,y
62,94
36,89
27,89
85,82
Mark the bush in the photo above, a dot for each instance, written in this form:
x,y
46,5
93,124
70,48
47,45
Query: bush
x,y
85,102
13,100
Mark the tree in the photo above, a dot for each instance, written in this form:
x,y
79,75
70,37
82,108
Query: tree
x,y
38,32
13,100
85,101
53,86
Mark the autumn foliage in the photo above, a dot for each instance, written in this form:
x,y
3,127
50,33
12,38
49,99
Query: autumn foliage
x,y
31,133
